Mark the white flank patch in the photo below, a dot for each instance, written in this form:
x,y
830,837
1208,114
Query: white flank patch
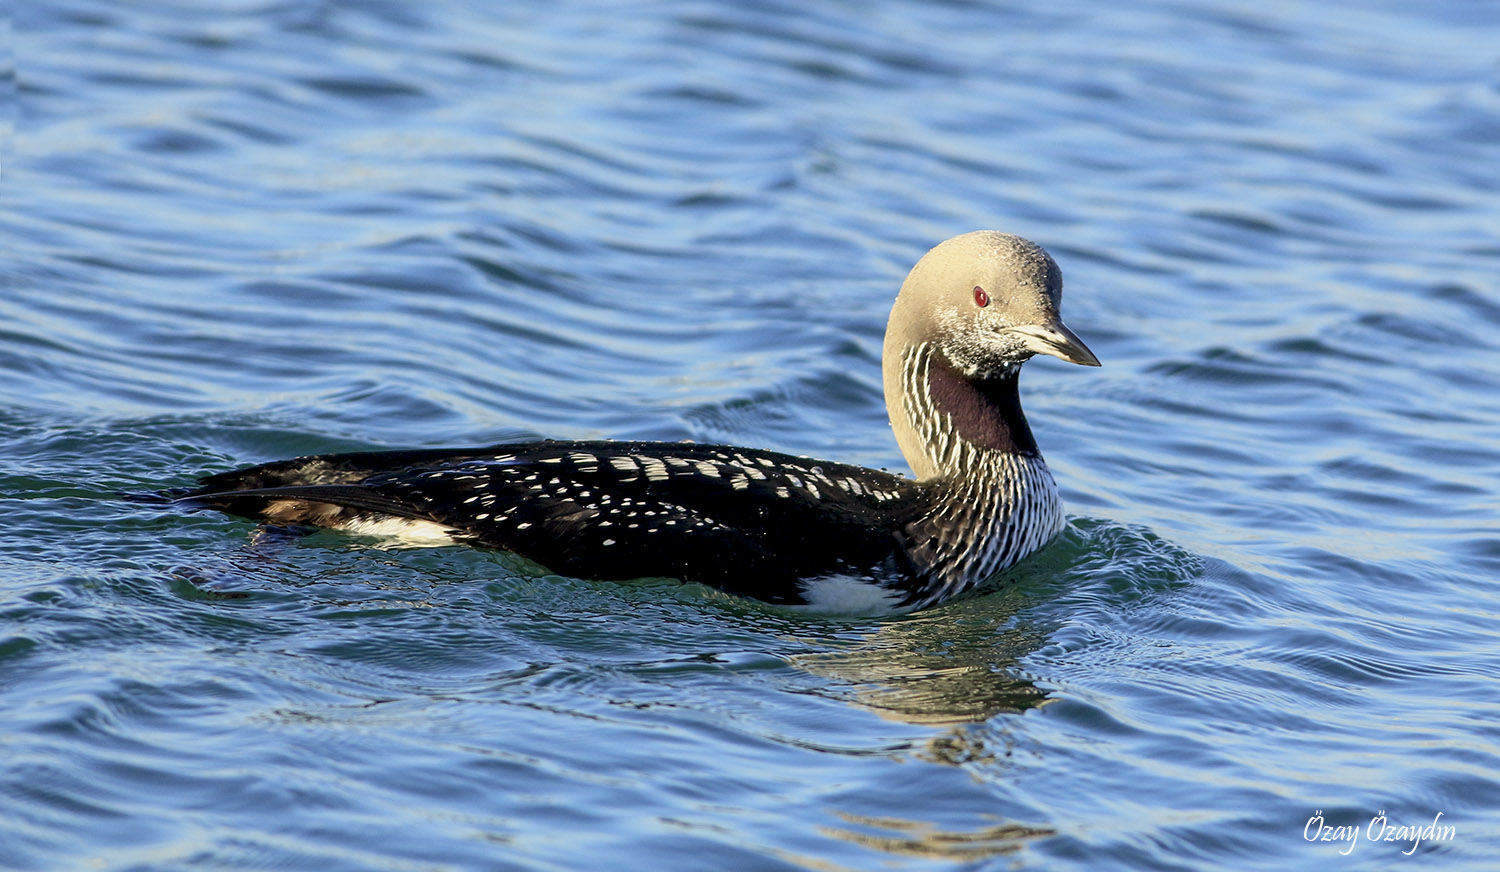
x,y
848,595
404,531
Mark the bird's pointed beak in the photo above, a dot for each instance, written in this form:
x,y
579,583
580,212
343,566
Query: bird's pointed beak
x,y
1056,339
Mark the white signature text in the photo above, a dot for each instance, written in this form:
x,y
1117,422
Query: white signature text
x,y
1377,830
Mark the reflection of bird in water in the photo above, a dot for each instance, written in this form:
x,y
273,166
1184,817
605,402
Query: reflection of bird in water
x,y
936,669
921,839
942,669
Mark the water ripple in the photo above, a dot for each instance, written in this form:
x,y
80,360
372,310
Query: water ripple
x,y
264,229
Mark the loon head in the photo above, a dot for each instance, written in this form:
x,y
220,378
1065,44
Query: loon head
x,y
986,301
974,308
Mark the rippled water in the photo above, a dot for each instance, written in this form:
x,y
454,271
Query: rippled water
x,y
241,231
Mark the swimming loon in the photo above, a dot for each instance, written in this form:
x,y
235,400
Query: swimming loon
x,y
806,533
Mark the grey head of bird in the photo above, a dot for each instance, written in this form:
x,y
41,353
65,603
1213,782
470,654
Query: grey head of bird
x,y
987,301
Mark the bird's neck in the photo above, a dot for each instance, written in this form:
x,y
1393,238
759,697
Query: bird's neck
x,y
954,425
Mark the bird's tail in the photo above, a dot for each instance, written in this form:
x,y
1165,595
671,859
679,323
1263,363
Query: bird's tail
x,y
323,489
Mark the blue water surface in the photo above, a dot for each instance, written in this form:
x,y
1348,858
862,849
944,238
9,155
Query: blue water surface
x,y
239,231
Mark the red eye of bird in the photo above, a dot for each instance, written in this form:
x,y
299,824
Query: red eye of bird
x,y
981,299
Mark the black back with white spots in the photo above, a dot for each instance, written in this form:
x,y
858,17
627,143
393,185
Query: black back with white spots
x,y
755,523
